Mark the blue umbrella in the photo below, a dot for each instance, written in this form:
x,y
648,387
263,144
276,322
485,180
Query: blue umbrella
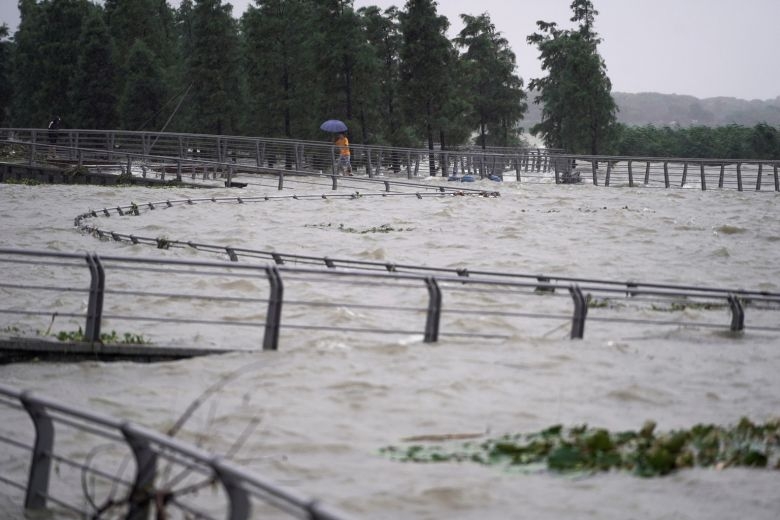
x,y
333,125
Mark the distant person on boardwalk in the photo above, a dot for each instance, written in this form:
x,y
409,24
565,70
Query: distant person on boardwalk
x,y
54,125
342,145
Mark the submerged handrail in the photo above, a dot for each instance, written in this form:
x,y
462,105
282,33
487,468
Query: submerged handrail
x,y
400,292
148,448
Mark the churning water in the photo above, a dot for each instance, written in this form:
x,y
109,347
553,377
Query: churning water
x,y
327,403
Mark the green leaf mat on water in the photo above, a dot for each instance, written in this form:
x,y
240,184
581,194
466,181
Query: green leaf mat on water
x,y
645,453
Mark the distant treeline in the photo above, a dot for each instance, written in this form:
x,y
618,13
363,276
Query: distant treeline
x,y
280,70
724,142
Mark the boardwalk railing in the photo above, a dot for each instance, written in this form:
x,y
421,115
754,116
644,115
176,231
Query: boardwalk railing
x,y
239,305
199,154
167,474
667,172
288,154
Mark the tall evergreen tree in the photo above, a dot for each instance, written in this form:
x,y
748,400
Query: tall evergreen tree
x,y
213,68
6,90
153,23
426,55
496,93
150,21
579,112
93,82
46,49
144,92
383,34
279,59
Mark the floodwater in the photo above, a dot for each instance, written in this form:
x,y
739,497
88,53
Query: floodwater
x,y
327,403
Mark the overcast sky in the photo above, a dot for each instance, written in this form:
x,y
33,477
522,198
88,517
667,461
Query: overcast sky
x,y
704,48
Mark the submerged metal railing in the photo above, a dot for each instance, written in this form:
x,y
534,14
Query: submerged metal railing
x,y
667,172
289,154
172,299
168,473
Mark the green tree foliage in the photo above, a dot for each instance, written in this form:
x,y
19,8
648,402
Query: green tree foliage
x,y
383,32
724,142
150,21
144,92
426,55
339,32
495,93
279,60
46,50
392,75
579,112
93,82
213,68
6,89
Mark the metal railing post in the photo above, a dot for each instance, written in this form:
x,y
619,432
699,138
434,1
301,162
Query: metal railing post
x,y
594,168
703,178
630,175
647,173
737,314
739,176
684,174
666,174
240,505
609,172
40,463
434,310
580,312
722,173
274,314
758,176
777,179
97,286
141,494
281,180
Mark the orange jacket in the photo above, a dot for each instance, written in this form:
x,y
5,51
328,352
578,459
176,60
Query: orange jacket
x,y
342,143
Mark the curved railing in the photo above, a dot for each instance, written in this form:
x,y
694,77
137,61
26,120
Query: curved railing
x,y
168,473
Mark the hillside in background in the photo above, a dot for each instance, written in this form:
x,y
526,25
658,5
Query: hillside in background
x,y
650,108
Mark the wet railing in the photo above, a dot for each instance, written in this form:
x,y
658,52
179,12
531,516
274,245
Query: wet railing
x,y
168,475
241,304
288,154
667,172
95,166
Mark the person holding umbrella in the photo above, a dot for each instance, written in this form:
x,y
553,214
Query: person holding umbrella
x,y
342,144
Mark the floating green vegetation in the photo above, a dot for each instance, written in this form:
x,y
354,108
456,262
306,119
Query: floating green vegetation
x,y
125,178
75,172
12,152
590,450
25,182
681,306
111,337
384,228
595,303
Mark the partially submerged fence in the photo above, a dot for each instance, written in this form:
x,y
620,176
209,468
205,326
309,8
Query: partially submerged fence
x,y
236,305
167,475
667,172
